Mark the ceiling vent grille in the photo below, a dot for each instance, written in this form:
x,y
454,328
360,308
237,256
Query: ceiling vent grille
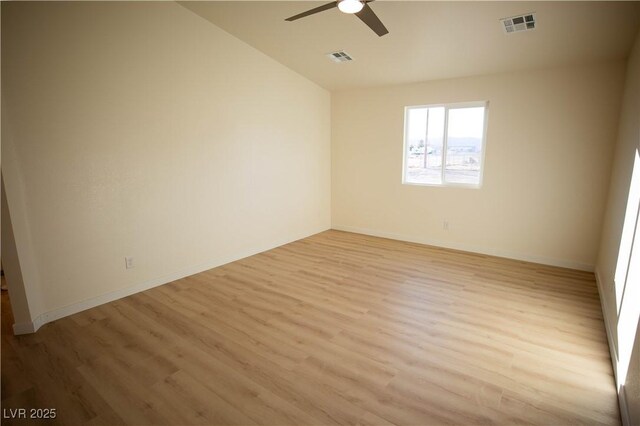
x,y
339,56
518,23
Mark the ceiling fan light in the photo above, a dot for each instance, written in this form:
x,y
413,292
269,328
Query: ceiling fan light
x,y
350,6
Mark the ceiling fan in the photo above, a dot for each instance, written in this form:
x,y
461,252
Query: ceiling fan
x,y
358,7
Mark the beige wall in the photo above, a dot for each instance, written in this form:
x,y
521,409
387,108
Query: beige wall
x,y
627,145
142,130
547,165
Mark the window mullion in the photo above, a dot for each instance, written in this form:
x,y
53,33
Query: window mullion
x,y
445,136
426,141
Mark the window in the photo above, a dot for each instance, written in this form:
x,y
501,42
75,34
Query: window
x,y
444,144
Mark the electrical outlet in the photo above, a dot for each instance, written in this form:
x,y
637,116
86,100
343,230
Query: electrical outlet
x,y
128,262
445,225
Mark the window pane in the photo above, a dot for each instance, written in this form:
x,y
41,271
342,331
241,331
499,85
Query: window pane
x,y
425,133
464,145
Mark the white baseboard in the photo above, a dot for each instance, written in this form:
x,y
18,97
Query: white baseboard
x,y
47,317
607,326
622,396
23,328
26,327
624,408
465,247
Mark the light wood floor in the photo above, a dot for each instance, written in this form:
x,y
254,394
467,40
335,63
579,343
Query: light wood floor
x,y
336,328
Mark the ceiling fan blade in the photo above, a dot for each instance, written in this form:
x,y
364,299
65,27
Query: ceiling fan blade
x,y
367,16
314,10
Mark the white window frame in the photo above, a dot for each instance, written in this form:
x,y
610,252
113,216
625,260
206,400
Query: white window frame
x,y
446,107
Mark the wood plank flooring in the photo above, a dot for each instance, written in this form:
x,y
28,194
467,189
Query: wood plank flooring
x,y
337,328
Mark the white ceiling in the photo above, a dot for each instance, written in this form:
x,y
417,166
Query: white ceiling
x,y
427,40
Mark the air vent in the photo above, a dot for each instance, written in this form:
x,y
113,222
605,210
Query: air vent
x,y
339,56
518,23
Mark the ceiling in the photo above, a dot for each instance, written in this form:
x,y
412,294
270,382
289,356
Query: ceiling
x,y
427,40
